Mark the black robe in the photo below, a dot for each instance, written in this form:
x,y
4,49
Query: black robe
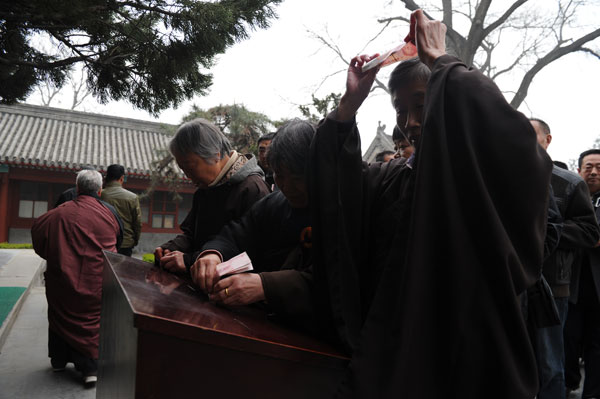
x,y
277,240
439,315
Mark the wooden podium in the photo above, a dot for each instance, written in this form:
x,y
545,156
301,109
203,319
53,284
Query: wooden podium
x,y
161,338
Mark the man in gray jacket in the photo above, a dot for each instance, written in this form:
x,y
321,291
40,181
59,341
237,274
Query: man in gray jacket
x,y
127,205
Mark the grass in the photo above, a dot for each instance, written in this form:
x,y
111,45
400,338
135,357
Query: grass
x,y
7,245
8,297
148,258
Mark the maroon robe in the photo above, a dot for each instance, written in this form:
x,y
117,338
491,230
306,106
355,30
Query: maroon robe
x,y
71,239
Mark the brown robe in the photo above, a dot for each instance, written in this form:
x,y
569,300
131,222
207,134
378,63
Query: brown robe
x,y
71,239
439,316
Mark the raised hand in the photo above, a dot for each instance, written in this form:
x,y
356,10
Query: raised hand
x,y
358,86
429,37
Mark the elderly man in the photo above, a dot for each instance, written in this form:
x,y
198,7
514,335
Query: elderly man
x,y
276,234
71,238
127,205
582,330
579,231
228,184
428,305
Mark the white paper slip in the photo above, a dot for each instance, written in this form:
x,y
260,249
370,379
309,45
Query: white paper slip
x,y
237,264
403,52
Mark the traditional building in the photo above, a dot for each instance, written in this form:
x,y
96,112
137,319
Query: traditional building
x,y
381,142
41,148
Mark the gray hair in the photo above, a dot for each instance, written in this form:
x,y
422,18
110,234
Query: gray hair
x,y
88,182
202,138
290,149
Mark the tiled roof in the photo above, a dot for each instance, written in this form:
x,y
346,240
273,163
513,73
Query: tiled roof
x,y
381,142
51,138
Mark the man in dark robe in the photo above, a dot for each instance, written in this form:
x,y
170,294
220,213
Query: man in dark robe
x,y
429,307
71,238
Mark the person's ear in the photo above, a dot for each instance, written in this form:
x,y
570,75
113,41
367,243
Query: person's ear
x,y
99,192
549,139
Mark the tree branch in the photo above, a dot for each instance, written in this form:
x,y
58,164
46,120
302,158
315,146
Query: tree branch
x,y
590,51
553,55
504,17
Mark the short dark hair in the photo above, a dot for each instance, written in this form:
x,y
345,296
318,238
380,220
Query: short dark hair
x,y
407,72
545,126
114,172
585,154
265,137
398,135
290,149
380,157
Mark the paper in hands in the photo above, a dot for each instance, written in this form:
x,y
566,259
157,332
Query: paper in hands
x,y
237,264
403,52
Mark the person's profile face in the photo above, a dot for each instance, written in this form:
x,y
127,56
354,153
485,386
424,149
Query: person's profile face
x,y
543,139
590,172
293,187
263,149
403,149
408,101
200,172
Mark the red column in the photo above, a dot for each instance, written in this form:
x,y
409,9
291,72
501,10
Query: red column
x,y
3,206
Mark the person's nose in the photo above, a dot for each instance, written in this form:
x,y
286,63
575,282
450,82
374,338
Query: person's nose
x,y
412,121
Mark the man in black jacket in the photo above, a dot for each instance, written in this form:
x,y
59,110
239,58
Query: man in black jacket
x,y
579,231
582,330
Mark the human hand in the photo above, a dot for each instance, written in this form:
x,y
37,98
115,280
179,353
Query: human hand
x,y
239,289
204,272
173,261
429,37
358,87
159,252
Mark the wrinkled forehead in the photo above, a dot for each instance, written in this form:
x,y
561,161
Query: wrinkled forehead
x,y
592,159
409,93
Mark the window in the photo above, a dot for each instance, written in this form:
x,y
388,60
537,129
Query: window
x,y
184,207
33,199
164,210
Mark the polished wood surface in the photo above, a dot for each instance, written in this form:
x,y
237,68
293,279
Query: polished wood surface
x,y
158,327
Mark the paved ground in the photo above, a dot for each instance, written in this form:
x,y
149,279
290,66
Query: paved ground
x,y
25,370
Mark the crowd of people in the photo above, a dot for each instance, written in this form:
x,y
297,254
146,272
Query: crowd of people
x,y
446,269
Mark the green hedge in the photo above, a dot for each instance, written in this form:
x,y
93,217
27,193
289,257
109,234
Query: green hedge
x,y
6,245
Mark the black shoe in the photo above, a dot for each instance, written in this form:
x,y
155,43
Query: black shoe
x,y
58,365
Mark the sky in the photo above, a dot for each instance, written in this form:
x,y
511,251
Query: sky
x,y
278,68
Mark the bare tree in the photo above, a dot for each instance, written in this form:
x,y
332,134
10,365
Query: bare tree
x,y
527,38
77,83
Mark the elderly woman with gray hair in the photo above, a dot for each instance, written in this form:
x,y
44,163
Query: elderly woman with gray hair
x,y
276,234
228,184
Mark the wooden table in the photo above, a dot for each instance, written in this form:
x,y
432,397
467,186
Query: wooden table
x,y
161,338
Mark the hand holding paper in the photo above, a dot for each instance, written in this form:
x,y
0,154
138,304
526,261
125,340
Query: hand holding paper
x,y
237,264
403,52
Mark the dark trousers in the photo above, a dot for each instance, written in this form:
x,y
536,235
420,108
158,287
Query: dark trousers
x,y
61,353
582,339
550,355
125,251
